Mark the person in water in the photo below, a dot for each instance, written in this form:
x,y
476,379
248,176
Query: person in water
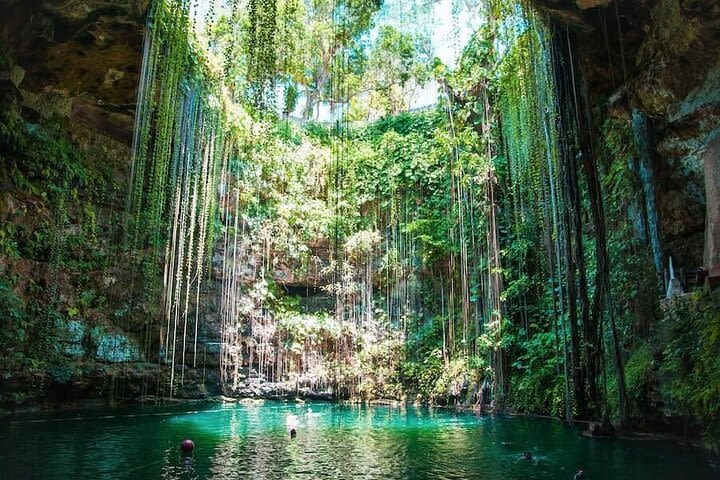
x,y
292,424
527,456
580,475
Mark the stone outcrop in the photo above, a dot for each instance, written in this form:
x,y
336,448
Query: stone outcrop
x,y
712,222
585,4
85,52
70,69
660,58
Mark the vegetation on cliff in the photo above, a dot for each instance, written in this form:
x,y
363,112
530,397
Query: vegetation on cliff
x,y
498,247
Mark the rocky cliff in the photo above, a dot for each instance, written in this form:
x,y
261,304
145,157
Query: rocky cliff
x,y
658,59
68,83
68,78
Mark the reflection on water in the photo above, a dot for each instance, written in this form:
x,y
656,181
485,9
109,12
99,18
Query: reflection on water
x,y
333,441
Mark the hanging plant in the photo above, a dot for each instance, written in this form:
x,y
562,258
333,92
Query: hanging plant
x,y
262,52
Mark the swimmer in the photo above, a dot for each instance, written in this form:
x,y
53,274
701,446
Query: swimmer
x,y
580,475
187,446
527,457
293,433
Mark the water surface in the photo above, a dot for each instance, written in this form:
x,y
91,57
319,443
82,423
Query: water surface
x,y
334,441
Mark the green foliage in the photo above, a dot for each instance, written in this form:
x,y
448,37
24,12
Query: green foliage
x,y
13,330
303,44
12,126
291,98
318,132
28,341
12,138
632,283
427,377
379,368
8,243
640,377
262,51
691,361
537,387
66,178
424,366
61,373
421,123
422,377
396,64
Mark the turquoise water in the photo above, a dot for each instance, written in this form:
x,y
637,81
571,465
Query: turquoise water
x,y
334,441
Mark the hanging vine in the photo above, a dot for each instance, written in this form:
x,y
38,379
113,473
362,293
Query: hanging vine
x,y
262,52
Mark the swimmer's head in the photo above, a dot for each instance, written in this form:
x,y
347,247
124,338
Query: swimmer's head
x,y
527,456
293,433
187,446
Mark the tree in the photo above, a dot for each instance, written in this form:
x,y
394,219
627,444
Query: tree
x,y
396,65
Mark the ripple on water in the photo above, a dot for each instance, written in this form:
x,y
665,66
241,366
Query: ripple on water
x,y
334,441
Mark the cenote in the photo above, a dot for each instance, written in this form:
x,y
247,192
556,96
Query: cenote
x,y
213,211
333,441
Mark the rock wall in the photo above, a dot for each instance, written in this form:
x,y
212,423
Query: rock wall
x,y
74,67
660,58
88,52
712,190
77,323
